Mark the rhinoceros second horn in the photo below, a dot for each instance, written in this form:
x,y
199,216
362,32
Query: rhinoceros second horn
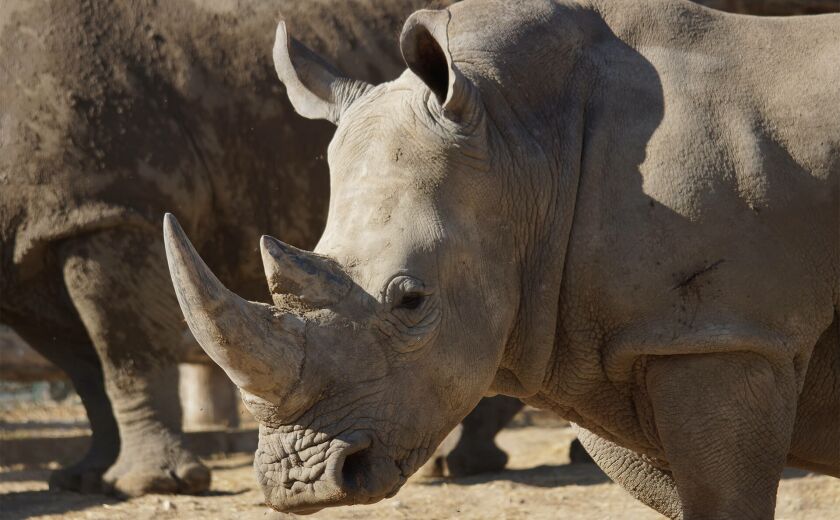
x,y
313,278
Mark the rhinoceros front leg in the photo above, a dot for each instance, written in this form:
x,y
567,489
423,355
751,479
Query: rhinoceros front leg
x,y
119,284
724,422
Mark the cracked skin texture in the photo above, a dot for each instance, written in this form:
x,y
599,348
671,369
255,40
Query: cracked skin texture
x,y
115,112
295,463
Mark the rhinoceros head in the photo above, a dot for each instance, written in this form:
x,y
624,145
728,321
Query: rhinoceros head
x,y
384,338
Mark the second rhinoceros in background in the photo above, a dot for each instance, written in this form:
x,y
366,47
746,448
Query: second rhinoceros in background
x,y
113,112
622,211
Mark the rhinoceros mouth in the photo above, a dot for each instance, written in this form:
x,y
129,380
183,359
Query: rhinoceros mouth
x,y
303,472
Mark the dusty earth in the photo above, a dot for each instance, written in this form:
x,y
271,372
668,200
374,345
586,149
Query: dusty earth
x,y
538,485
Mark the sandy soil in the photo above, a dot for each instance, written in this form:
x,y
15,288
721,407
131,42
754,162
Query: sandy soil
x,y
538,485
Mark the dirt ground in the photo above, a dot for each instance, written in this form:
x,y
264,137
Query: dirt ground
x,y
538,485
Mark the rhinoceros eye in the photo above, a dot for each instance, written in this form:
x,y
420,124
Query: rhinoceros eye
x,y
411,301
405,292
413,312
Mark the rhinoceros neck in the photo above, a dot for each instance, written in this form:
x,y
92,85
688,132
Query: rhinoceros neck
x,y
676,88
623,107
530,65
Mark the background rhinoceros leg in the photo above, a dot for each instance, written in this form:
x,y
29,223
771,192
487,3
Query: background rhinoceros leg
x,y
578,454
724,422
78,359
635,473
119,283
476,451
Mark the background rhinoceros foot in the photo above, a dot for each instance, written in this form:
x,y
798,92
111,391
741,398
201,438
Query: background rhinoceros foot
x,y
471,449
86,475
477,459
156,463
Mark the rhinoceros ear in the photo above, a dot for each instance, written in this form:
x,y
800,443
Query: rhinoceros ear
x,y
424,43
315,88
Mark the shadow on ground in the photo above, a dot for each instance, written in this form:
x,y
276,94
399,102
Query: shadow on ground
x,y
17,505
26,504
546,475
63,426
556,475
23,475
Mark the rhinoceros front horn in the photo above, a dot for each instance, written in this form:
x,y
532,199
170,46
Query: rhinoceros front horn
x,y
259,348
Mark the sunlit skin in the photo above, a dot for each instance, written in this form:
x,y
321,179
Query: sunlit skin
x,y
562,204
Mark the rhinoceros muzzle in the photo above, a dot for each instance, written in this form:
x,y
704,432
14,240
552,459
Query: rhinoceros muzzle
x,y
323,472
262,348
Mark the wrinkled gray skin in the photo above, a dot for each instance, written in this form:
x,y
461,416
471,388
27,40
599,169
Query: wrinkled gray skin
x,y
622,211
112,113
226,84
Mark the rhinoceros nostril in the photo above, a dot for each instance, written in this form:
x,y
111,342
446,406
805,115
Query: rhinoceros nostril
x,y
355,470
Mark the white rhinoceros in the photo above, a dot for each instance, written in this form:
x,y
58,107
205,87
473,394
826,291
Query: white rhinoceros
x,y
622,211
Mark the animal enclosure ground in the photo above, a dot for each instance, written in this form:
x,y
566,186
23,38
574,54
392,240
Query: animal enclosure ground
x,y
538,485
